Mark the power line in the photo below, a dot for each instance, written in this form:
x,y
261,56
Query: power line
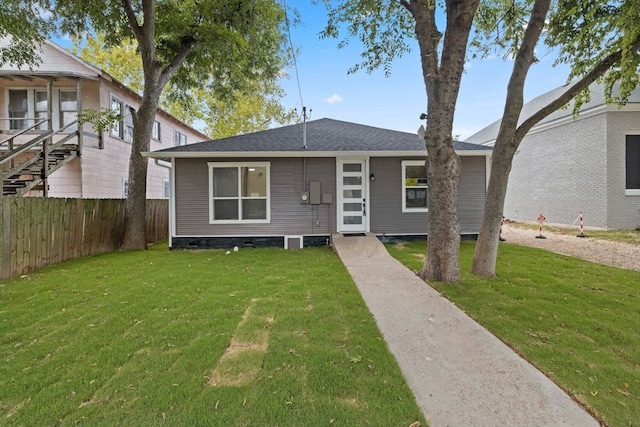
x,y
293,52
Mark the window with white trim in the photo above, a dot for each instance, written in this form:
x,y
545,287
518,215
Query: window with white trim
x,y
414,186
125,188
123,127
632,165
27,106
18,108
68,108
239,192
155,131
165,189
116,126
41,107
179,138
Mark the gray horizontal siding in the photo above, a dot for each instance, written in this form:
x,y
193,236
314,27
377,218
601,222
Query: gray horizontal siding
x,y
288,215
386,198
472,191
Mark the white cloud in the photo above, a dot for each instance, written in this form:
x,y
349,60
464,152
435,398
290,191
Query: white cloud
x,y
333,99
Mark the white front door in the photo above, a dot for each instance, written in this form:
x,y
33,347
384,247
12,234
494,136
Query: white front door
x,y
352,196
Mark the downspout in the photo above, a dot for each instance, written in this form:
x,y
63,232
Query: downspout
x,y
171,197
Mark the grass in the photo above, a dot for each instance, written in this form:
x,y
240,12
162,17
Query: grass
x,y
579,322
258,337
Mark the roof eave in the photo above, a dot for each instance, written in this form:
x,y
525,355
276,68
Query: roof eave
x,y
293,154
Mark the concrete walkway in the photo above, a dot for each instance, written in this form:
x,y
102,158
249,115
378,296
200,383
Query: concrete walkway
x,y
460,374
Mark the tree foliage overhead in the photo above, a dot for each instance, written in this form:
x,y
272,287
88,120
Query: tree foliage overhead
x,y
384,29
253,108
580,33
24,25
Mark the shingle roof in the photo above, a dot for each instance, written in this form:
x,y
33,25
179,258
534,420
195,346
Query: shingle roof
x,y
322,135
597,99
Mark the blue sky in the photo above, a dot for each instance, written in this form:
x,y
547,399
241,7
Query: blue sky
x,y
393,102
397,101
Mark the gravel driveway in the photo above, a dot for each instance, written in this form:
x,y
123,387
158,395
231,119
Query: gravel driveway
x,y
617,254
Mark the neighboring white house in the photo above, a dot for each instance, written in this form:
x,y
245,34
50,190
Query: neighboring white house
x,y
567,165
60,86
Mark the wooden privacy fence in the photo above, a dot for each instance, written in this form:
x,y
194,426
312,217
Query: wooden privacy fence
x,y
36,232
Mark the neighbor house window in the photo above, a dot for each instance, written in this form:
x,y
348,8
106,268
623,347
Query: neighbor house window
x,y
128,124
165,189
18,109
414,186
239,192
26,107
68,108
123,127
125,188
41,108
179,138
116,126
632,163
155,130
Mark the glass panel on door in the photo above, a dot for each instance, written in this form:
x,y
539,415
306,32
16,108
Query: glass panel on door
x,y
353,203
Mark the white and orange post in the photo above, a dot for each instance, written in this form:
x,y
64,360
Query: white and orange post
x,y
581,226
541,220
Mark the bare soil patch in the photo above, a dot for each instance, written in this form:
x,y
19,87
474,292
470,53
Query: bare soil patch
x,y
616,254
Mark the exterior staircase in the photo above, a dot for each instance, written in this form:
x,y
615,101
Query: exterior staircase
x,y
25,167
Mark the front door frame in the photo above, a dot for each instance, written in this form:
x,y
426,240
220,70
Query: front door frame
x,y
366,223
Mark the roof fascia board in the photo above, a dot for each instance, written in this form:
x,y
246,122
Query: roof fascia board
x,y
294,154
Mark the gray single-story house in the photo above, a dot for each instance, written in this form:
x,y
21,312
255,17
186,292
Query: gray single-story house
x,y
567,165
296,185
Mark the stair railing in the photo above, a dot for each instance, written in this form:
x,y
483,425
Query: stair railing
x,y
10,140
43,140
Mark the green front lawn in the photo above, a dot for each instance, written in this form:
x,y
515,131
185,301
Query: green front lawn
x,y
577,321
254,338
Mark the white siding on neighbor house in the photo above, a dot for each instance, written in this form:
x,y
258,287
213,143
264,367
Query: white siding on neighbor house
x,y
623,211
53,61
560,172
100,172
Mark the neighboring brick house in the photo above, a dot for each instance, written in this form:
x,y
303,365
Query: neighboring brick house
x,y
86,165
567,165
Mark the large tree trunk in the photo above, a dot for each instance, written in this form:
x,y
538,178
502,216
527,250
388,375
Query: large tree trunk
x,y
442,75
443,175
507,142
486,252
135,236
156,77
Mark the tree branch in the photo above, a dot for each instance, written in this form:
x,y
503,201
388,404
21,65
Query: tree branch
x,y
523,60
424,17
133,20
598,71
186,46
